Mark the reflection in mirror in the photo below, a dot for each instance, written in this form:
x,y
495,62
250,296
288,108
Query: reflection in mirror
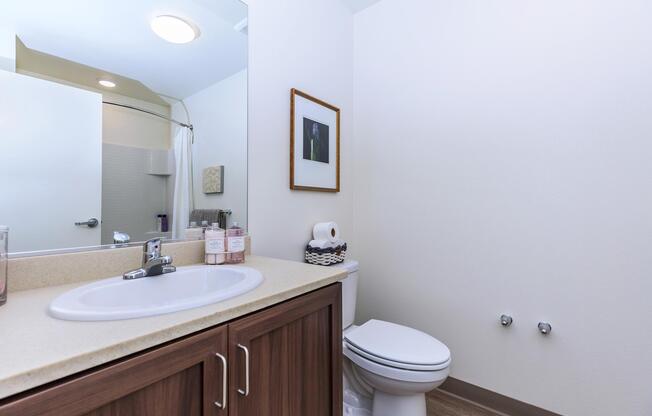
x,y
121,120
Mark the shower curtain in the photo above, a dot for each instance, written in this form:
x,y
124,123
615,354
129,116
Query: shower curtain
x,y
182,204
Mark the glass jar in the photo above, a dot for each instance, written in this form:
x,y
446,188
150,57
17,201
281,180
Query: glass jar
x,y
4,252
214,245
235,244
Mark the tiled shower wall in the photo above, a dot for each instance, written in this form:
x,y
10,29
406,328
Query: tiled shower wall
x,y
131,198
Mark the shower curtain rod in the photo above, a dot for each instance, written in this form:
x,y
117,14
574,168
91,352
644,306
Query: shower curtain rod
x,y
188,126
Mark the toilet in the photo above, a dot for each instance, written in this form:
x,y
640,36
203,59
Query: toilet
x,y
388,368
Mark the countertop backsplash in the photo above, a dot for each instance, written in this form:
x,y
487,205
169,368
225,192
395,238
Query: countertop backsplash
x,y
59,269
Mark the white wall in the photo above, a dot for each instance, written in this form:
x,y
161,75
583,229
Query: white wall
x,y
503,155
126,127
219,116
307,45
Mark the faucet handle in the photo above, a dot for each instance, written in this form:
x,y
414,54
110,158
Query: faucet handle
x,y
152,247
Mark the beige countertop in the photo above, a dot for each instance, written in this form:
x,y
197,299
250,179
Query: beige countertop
x,y
36,349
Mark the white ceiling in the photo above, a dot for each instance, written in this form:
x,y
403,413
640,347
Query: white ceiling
x,y
114,35
357,5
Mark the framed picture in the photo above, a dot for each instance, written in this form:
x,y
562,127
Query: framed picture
x,y
314,144
213,180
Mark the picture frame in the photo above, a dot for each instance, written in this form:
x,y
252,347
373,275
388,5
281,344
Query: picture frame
x,y
213,180
314,144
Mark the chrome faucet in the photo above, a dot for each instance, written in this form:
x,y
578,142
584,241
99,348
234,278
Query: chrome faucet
x,y
153,263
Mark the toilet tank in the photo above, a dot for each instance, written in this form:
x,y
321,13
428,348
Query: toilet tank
x,y
349,292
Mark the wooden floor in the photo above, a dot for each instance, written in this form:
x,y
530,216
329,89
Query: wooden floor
x,y
441,403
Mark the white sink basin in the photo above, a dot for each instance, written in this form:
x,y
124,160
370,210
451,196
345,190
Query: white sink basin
x,y
188,287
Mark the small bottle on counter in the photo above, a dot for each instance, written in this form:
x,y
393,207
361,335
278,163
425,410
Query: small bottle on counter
x,y
204,227
193,232
215,245
235,244
165,225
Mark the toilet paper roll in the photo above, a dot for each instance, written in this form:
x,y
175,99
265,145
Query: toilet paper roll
x,y
328,231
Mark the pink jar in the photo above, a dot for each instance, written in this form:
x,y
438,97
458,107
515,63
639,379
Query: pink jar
x,y
235,244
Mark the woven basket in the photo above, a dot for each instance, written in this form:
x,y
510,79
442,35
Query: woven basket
x,y
325,256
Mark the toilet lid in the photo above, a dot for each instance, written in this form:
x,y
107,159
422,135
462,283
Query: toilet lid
x,y
398,344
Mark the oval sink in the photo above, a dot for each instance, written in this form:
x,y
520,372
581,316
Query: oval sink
x,y
188,287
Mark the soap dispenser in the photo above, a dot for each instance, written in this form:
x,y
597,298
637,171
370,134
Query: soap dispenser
x,y
214,245
235,244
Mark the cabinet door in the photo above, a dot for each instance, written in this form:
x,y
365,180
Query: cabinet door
x,y
293,354
183,378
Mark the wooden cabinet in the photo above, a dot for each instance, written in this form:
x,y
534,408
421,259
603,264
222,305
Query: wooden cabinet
x,y
282,361
294,356
181,378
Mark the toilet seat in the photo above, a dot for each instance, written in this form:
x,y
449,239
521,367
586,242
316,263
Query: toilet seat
x,y
397,352
396,364
394,373
398,346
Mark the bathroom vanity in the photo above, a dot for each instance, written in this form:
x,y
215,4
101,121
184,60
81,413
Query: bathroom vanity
x,y
284,360
280,359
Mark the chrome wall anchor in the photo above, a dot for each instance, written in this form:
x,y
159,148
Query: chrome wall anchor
x,y
545,328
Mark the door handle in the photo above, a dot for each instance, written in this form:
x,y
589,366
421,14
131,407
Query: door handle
x,y
224,382
91,223
245,392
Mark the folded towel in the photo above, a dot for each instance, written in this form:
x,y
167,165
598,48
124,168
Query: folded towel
x,y
320,244
210,215
325,243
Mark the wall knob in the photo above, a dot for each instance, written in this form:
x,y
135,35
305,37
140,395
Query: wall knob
x,y
545,328
506,320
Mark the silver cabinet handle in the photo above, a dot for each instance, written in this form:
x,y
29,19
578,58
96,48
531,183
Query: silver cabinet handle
x,y
91,223
245,392
224,382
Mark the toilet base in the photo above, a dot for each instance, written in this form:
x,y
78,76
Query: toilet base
x,y
392,405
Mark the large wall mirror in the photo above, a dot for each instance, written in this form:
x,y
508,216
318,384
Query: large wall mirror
x,y
121,120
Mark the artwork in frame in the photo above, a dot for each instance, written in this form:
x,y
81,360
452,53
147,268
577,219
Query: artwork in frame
x,y
314,144
213,180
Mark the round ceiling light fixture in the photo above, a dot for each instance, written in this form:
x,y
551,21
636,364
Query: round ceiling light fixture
x,y
174,29
106,83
